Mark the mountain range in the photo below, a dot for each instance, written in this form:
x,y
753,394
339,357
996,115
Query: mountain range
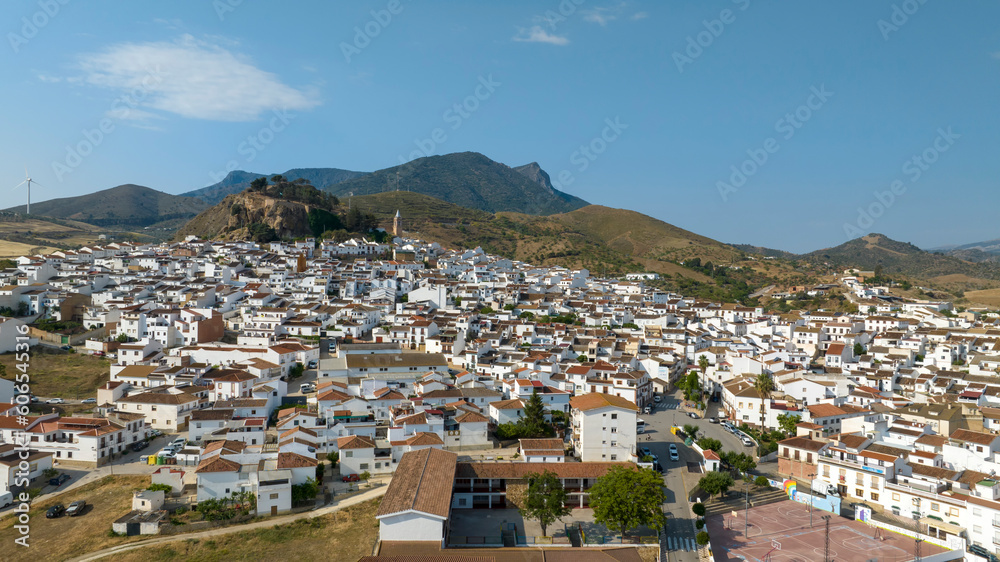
x,y
466,199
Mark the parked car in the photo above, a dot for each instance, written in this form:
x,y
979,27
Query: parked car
x,y
90,401
155,432
713,420
351,478
139,445
747,441
311,365
58,480
6,498
76,508
167,453
644,452
647,410
674,455
35,400
66,347
656,399
306,388
693,415
55,401
55,511
179,441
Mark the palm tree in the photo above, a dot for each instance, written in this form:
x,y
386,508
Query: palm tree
x,y
703,363
765,386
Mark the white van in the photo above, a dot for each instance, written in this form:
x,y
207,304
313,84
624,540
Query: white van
x,y
640,425
6,498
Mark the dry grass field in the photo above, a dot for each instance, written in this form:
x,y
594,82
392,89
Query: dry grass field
x,y
62,375
66,537
987,297
346,535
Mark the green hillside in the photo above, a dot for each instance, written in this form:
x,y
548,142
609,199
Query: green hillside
x,y
123,206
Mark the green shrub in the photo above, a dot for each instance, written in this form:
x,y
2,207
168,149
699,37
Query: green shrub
x,y
701,538
165,488
699,524
698,509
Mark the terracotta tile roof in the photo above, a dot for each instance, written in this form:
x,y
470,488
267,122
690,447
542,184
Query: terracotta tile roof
x,y
355,442
422,438
295,460
471,417
217,464
521,469
596,400
422,482
973,436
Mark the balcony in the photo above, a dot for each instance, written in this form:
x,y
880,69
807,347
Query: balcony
x,y
996,522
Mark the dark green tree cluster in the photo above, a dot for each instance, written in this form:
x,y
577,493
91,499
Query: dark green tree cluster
x,y
221,509
531,425
626,498
544,500
262,233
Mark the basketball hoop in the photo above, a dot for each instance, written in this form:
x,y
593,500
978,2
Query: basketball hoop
x,y
775,546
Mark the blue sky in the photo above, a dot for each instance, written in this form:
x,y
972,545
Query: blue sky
x,y
792,126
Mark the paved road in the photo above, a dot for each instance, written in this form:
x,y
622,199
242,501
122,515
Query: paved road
x,y
679,531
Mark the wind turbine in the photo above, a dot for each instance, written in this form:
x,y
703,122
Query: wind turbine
x,y
29,181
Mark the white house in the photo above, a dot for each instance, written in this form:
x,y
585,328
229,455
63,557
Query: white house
x,y
417,504
604,427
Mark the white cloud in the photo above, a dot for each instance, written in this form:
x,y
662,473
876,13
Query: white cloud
x,y
535,34
600,16
191,78
640,16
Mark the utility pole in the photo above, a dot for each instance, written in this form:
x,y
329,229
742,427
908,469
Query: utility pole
x,y
826,544
746,510
916,538
811,478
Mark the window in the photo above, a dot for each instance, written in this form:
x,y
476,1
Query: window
x,y
462,502
273,496
614,430
613,457
874,497
614,416
614,443
935,506
363,466
895,497
859,493
348,454
953,512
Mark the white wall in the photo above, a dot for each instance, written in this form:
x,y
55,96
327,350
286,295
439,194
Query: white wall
x,y
411,526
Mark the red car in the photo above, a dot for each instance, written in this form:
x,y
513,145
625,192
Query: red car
x,y
351,478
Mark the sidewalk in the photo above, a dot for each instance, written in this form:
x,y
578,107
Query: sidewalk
x,y
270,522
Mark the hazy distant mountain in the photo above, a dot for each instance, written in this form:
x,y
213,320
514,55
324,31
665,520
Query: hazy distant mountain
x,y
125,206
238,180
470,180
988,250
873,250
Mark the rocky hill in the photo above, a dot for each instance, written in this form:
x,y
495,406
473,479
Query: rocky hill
x,y
238,180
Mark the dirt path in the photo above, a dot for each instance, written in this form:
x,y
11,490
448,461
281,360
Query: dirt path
x,y
270,522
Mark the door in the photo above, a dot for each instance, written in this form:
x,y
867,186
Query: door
x,y
274,510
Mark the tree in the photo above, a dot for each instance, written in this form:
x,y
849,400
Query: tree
x,y
262,233
742,462
787,423
859,350
690,430
703,363
765,386
333,457
625,498
762,482
259,184
701,538
533,423
581,358
715,483
710,443
544,500
699,509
